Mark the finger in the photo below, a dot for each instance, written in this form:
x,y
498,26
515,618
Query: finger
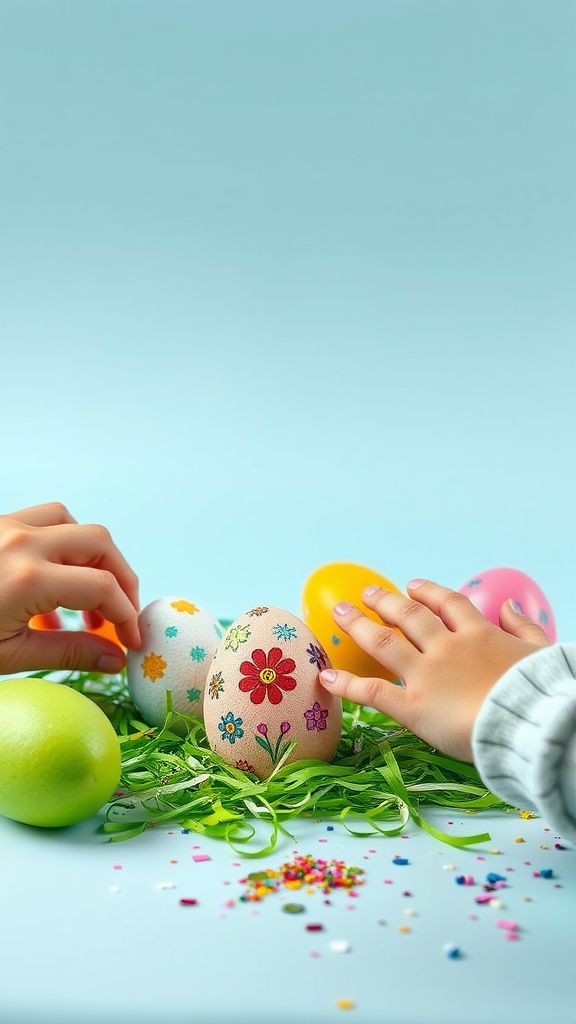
x,y
413,619
53,513
514,622
91,589
64,649
92,545
384,696
392,650
454,609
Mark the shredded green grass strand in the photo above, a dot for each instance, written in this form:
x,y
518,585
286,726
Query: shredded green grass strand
x,y
381,777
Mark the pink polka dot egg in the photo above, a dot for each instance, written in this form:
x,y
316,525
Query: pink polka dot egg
x,y
488,590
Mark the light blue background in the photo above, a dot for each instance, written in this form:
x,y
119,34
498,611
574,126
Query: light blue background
x,y
292,282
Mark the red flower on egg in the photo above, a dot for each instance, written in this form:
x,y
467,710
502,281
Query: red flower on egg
x,y
267,674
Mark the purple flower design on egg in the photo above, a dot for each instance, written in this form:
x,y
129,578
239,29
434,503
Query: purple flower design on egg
x,y
316,717
317,656
277,750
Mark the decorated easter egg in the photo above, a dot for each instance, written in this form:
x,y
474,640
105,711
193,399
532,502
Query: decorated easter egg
x,y
262,692
326,587
91,621
179,640
489,590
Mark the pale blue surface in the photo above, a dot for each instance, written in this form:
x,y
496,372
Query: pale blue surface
x,y
73,950
286,283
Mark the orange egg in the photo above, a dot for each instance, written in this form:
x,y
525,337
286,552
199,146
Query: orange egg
x,y
93,622
326,587
47,620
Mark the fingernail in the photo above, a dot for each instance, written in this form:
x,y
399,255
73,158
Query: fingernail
x,y
328,676
415,583
343,608
110,663
515,606
368,591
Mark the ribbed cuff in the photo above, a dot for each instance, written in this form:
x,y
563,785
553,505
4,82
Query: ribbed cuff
x,y
524,739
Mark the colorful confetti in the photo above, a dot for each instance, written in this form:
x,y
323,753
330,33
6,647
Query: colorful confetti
x,y
303,870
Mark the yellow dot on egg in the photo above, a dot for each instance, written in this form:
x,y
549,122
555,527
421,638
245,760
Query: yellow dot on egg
x,y
519,839
153,666
345,1004
495,851
270,873
404,928
185,606
310,890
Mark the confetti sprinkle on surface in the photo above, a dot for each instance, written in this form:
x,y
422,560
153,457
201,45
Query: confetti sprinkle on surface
x,y
303,870
451,951
340,946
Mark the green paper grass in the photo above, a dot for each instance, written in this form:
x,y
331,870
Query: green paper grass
x,y
380,777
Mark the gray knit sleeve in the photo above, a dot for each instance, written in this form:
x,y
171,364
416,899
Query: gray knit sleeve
x,y
524,739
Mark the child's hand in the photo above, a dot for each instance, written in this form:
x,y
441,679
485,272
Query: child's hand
x,y
448,658
49,561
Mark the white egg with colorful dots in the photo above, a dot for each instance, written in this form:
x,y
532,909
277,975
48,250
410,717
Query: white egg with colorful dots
x,y
179,641
263,691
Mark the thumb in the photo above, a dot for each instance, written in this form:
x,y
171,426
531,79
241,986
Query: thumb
x,y
513,621
73,650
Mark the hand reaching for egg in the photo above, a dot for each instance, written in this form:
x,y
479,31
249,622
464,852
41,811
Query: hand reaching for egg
x,y
49,561
447,654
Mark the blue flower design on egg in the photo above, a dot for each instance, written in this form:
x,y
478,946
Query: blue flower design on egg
x,y
230,727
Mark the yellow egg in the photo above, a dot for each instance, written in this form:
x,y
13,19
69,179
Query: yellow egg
x,y
326,587
263,691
